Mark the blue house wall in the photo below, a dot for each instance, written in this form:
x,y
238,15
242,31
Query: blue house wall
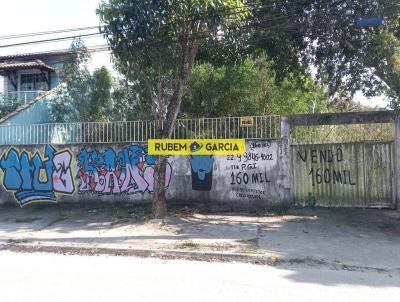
x,y
34,111
38,113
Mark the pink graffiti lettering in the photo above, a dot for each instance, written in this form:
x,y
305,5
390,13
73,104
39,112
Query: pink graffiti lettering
x,y
133,181
149,176
62,175
130,171
111,183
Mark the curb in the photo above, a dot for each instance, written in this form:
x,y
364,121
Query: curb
x,y
192,256
142,253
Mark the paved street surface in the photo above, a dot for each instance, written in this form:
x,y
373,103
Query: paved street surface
x,y
50,277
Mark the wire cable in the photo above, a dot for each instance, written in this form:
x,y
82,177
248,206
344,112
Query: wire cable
x,y
50,40
33,34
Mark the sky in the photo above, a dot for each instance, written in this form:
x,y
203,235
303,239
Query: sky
x,y
27,16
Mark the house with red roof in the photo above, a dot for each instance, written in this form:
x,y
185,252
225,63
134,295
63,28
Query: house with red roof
x,y
26,82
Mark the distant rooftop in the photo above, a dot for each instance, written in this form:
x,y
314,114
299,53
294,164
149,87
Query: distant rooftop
x,y
36,55
21,65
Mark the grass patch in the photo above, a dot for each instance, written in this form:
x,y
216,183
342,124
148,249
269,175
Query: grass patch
x,y
220,247
271,212
18,241
251,250
93,211
250,246
275,260
298,261
118,220
122,213
251,242
43,206
61,217
188,245
27,219
311,201
141,213
184,211
215,247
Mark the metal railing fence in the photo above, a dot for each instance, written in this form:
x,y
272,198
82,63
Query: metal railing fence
x,y
19,97
261,127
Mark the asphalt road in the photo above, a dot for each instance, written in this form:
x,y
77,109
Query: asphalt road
x,y
49,277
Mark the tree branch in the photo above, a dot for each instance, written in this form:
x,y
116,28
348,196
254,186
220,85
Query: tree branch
x,y
190,49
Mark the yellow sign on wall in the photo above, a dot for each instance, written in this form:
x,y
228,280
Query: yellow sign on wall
x,y
246,121
196,146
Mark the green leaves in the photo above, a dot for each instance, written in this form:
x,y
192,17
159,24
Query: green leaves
x,y
155,43
249,88
86,97
299,34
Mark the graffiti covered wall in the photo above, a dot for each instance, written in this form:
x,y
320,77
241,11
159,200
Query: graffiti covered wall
x,y
35,177
125,173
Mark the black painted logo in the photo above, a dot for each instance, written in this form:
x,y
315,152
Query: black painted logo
x,y
195,147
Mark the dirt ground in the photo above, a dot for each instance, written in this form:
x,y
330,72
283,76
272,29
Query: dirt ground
x,y
367,239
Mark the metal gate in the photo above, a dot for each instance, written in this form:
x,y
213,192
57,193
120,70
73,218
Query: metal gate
x,y
356,174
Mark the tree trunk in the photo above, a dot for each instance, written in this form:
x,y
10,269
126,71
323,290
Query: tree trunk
x,y
159,203
159,200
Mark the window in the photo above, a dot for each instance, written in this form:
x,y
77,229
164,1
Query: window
x,y
30,82
27,82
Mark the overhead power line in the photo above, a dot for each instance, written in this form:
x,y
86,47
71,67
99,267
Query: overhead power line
x,y
50,40
45,33
92,49
294,10
294,6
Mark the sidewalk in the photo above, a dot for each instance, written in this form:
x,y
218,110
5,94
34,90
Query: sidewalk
x,y
365,239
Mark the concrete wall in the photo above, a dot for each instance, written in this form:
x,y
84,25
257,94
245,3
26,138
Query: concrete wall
x,y
124,173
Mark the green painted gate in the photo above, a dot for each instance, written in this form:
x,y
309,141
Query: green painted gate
x,y
357,174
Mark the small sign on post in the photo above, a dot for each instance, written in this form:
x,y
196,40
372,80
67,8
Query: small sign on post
x,y
246,121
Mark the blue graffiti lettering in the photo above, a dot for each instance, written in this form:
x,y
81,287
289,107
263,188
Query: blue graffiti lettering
x,y
37,179
130,171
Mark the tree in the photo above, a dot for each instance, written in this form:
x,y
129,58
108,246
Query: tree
x,y
86,97
100,100
386,64
344,53
321,34
156,43
249,88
